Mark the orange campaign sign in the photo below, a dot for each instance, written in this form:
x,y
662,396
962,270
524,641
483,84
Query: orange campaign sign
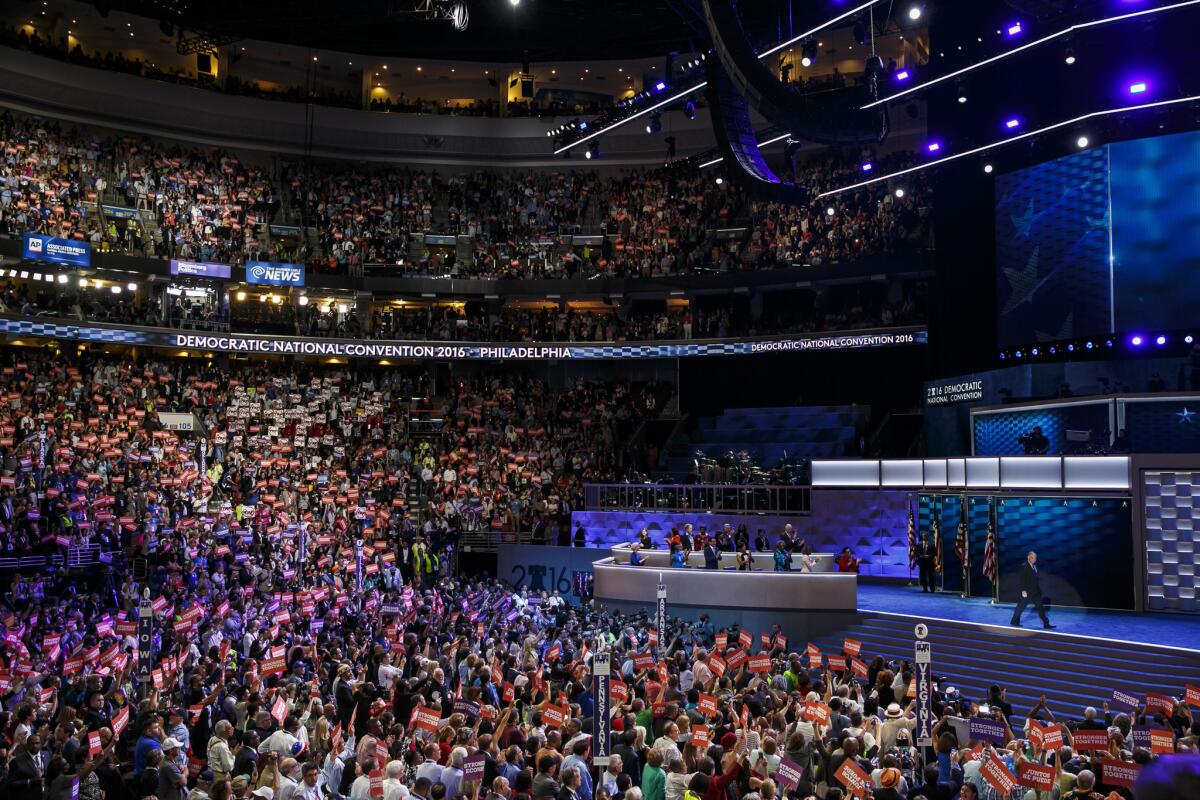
x,y
853,777
1090,740
1192,695
426,719
1052,737
1162,741
851,647
618,691
737,659
745,638
760,663
700,737
1118,773
1159,702
722,641
997,775
706,704
1036,776
555,716
717,665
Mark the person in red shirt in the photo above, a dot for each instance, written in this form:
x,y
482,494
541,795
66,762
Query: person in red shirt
x,y
847,562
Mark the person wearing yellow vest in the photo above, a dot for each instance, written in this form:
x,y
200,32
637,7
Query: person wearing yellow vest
x,y
424,562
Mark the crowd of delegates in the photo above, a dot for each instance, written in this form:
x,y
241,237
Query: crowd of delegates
x,y
210,205
309,640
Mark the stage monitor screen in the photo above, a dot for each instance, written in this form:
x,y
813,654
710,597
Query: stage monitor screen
x,y
1104,241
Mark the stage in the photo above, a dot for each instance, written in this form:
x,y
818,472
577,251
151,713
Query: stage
x,y
1164,630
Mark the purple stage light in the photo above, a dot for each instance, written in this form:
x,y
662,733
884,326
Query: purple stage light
x,y
933,147
1160,341
867,167
1012,123
1136,340
1139,87
1014,29
902,75
659,86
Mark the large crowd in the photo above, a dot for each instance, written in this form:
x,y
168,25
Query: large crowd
x,y
309,637
205,204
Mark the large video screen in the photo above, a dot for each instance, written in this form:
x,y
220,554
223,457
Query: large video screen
x,y
1103,241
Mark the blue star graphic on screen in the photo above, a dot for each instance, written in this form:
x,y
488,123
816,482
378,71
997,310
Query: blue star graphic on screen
x,y
1023,282
1024,222
1185,415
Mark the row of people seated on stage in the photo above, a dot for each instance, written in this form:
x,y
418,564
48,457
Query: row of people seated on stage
x,y
783,558
726,539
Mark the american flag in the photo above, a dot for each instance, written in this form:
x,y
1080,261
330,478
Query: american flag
x,y
989,552
912,540
937,545
963,550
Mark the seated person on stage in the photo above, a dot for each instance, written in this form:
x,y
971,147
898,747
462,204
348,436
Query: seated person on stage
x,y
636,559
712,556
761,543
644,539
783,558
808,562
678,558
745,560
847,562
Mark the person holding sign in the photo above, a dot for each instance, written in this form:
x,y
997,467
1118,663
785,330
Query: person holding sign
x,y
1031,592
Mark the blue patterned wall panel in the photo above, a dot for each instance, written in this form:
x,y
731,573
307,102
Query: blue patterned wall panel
x,y
1166,427
1052,247
1084,547
998,434
977,524
1172,540
951,515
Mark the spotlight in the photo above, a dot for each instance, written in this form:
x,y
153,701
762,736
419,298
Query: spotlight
x,y
1014,29
1108,343
593,149
1187,339
1136,340
1089,345
689,109
514,3
899,193
1070,58
654,125
902,75
720,180
914,13
867,167
131,287
1070,348
302,300
1081,142
1138,87
1033,352
1160,341
241,296
1012,123
962,98
1053,349
658,87
116,289
830,211
62,278
1019,354
987,168
933,147
806,61
83,283
1003,356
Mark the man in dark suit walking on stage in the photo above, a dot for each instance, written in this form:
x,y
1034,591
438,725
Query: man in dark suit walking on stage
x,y
926,556
1031,592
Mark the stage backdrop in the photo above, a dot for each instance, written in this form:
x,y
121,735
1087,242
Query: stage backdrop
x,y
873,524
1084,545
1172,502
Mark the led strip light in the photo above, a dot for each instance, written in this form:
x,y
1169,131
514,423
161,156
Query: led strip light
x,y
993,59
719,159
1017,138
702,84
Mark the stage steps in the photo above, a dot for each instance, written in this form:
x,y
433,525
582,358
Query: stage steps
x,y
1072,671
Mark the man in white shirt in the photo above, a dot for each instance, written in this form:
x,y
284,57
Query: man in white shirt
x,y
387,672
393,784
361,788
282,741
289,779
430,768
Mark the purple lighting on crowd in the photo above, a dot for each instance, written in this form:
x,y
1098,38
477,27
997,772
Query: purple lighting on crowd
x,y
1014,29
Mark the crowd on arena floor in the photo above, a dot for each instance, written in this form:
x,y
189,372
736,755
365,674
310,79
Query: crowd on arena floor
x,y
311,642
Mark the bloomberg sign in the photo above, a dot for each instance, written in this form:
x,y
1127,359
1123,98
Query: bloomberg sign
x,y
200,269
266,273
60,251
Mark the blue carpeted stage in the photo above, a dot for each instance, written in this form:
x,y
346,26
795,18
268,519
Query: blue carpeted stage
x,y
1166,630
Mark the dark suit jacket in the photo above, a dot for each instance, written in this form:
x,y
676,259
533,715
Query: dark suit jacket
x,y
1030,582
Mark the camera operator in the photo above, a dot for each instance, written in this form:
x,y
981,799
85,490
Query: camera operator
x,y
1035,442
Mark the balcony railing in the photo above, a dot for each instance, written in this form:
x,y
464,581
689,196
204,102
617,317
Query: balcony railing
x,y
763,499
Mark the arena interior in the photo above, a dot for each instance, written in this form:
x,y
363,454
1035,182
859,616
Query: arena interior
x,y
599,400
